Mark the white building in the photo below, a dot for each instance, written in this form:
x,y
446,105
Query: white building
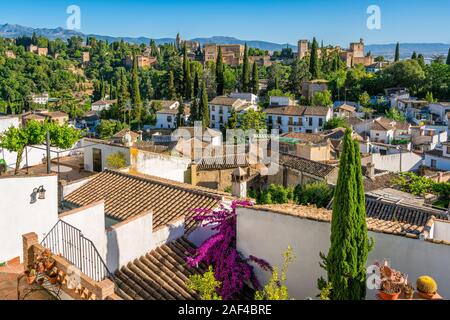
x,y
220,109
101,105
298,118
40,98
440,110
249,97
9,121
384,130
439,159
275,101
395,94
166,117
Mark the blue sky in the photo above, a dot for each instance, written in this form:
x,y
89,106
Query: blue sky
x,y
282,21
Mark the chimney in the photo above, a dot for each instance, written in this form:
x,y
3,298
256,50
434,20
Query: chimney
x,y
239,183
370,170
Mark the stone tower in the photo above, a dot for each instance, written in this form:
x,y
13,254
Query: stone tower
x,y
303,48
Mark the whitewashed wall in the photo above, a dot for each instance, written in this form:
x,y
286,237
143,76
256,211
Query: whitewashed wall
x,y
71,187
266,235
90,220
391,162
7,122
129,240
106,150
173,168
170,232
18,216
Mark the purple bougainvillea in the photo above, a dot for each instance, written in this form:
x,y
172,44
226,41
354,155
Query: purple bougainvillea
x,y
219,250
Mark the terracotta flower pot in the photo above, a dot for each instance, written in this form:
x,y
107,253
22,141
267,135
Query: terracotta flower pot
x,y
49,265
389,296
53,279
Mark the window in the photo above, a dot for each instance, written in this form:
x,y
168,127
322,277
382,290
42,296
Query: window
x,y
213,117
433,163
310,121
320,122
220,119
270,119
290,129
279,120
169,119
291,121
213,108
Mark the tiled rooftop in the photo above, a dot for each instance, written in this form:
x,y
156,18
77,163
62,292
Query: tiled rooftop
x,y
159,275
127,195
312,167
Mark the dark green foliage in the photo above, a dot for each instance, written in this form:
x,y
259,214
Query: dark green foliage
x,y
275,194
203,107
397,52
219,73
314,60
316,193
347,256
245,81
255,79
448,57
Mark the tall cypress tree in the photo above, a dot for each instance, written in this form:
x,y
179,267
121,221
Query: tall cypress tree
x,y
171,92
421,60
188,88
448,57
414,55
397,52
135,94
203,107
194,111
314,60
245,72
350,245
196,85
255,79
219,73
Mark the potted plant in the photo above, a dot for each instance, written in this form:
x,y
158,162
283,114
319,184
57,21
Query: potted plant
x,y
389,290
52,275
31,274
426,287
408,291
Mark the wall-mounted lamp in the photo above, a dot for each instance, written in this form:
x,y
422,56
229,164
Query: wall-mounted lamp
x,y
41,192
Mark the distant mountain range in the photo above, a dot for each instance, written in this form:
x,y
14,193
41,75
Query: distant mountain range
x,y
387,50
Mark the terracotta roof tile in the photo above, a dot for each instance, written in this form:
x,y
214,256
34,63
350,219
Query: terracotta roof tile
x,y
312,167
127,195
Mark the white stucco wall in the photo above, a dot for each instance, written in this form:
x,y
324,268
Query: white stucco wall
x,y
18,216
170,232
129,240
7,122
91,222
71,187
441,230
159,165
391,162
266,235
107,149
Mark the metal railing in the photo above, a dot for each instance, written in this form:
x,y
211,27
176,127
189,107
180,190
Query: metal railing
x,y
69,242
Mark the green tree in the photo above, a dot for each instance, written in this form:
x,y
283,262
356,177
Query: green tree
x,y
107,128
203,107
116,160
16,139
196,85
276,288
448,57
194,116
316,193
429,97
219,73
314,60
299,73
135,93
364,99
397,52
180,114
206,285
245,81
188,85
350,245
421,60
252,119
414,55
255,79
395,115
233,120
171,91
322,98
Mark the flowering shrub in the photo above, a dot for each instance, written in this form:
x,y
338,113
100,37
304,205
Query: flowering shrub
x,y
219,250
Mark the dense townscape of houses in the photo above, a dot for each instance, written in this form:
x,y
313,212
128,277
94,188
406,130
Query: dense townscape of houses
x,y
136,218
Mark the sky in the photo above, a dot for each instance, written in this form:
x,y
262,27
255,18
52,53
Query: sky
x,y
336,22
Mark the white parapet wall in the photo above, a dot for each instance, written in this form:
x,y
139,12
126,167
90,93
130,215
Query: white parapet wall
x,y
409,161
90,220
169,232
128,240
266,235
21,211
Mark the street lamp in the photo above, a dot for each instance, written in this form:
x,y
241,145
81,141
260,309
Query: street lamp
x,y
41,192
